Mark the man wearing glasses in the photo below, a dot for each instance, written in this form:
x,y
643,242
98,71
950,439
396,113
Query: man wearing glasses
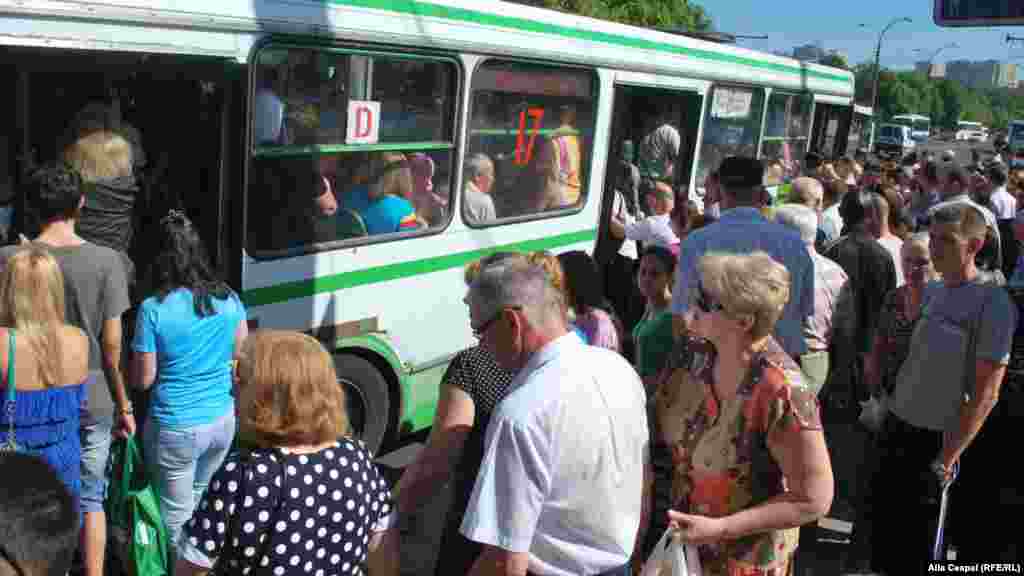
x,y
562,484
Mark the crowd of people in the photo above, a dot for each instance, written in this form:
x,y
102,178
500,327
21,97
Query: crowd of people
x,y
706,394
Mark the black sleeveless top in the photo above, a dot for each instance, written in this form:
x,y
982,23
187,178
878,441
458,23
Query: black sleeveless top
x,y
477,373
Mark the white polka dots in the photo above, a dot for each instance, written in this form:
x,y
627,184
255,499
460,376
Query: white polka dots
x,y
230,466
296,513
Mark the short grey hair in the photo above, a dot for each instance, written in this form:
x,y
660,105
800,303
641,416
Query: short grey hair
x,y
520,283
477,165
800,218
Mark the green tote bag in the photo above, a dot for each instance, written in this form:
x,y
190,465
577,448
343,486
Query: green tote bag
x,y
133,512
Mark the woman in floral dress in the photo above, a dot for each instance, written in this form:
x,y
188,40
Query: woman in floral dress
x,y
749,459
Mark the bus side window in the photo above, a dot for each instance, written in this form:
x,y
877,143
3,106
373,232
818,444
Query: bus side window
x,y
315,180
731,127
529,140
787,129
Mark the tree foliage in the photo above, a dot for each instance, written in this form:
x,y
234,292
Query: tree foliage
x,y
945,101
836,60
649,13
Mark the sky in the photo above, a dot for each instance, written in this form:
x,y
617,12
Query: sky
x,y
790,23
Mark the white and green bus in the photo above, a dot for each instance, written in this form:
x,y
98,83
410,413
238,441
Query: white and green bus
x,y
248,110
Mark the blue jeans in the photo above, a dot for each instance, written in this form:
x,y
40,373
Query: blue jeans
x,y
181,462
95,454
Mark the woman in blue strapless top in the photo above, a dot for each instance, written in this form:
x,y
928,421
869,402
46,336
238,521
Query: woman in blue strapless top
x,y
46,359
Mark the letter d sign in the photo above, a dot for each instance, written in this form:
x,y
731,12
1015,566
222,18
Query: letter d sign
x,y
363,125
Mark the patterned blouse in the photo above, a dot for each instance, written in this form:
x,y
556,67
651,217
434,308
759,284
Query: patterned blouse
x,y
895,327
721,459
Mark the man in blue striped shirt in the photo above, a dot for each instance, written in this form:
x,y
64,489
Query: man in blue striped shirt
x,y
743,229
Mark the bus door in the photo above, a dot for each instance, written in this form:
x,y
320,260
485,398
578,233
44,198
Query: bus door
x,y
648,113
830,121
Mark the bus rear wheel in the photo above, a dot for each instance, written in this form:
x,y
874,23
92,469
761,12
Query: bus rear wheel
x,y
367,399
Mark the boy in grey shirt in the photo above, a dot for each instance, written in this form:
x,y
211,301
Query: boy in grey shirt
x,y
96,294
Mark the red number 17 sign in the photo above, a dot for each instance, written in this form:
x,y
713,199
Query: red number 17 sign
x,y
524,146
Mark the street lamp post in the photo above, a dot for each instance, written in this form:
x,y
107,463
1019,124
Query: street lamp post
x,y
878,57
935,54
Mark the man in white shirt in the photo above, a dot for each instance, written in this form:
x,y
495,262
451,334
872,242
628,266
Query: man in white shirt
x,y
1000,201
656,229
478,206
562,486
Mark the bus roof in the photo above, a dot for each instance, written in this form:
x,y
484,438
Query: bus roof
x,y
483,26
910,117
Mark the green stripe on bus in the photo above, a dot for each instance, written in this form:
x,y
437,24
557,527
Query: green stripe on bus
x,y
503,21
324,284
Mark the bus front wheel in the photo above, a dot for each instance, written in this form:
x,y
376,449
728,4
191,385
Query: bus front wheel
x,y
366,398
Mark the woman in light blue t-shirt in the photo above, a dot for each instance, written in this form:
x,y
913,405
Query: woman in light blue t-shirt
x,y
186,337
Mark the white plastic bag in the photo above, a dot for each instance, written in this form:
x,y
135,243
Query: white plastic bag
x,y
671,557
873,413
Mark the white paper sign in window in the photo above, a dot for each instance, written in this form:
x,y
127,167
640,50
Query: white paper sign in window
x,y
731,103
363,122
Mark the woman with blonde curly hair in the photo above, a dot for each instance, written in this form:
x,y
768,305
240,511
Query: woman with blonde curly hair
x,y
44,363
749,455
303,495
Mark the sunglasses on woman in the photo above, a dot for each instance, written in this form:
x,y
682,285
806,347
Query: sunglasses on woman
x,y
704,302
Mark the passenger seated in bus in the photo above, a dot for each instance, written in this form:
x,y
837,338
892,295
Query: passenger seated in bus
x,y
383,203
566,148
476,197
104,160
431,207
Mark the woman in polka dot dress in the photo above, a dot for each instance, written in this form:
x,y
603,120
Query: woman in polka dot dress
x,y
297,500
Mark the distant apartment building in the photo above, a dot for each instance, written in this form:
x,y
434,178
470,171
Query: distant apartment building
x,y
934,70
809,52
814,53
978,75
